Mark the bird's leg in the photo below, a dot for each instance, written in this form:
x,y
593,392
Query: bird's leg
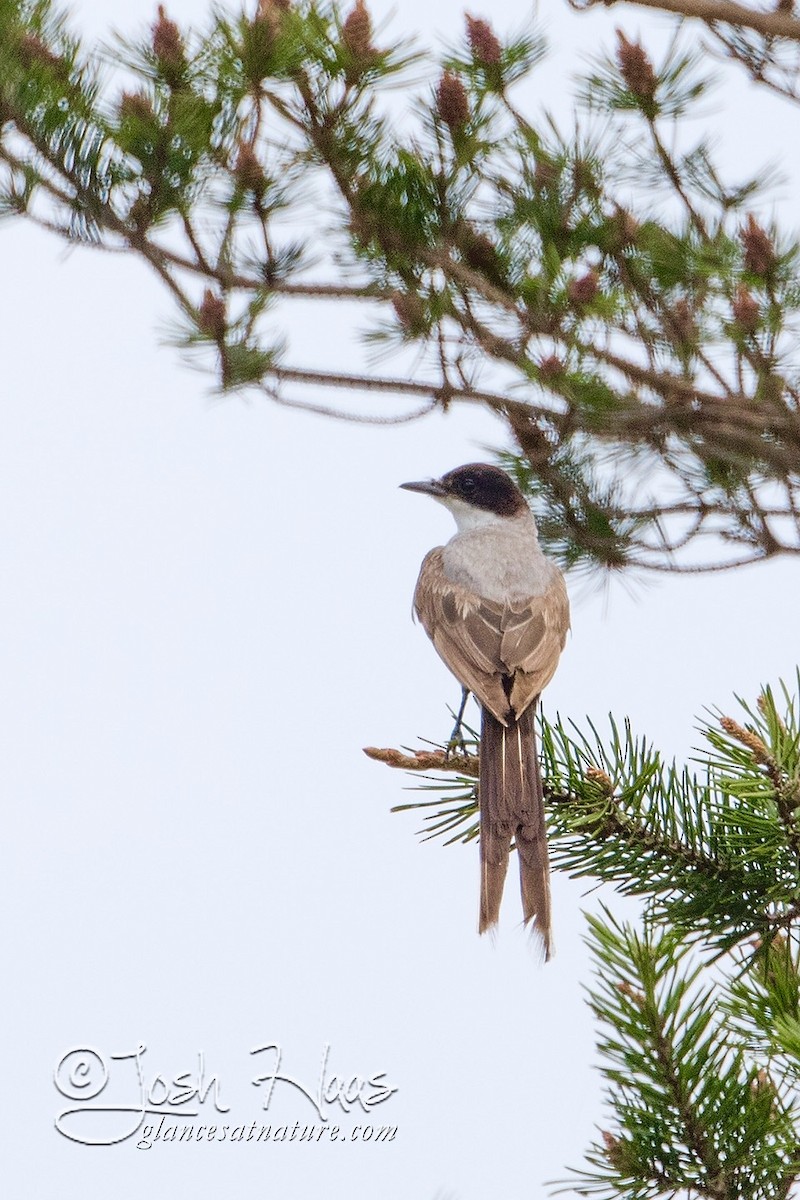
x,y
456,739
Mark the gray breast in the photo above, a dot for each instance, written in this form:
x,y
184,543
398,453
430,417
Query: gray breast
x,y
498,563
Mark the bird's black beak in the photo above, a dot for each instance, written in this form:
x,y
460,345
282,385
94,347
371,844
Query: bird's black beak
x,y
429,487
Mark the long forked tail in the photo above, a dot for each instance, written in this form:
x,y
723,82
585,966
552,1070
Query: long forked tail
x,y
512,807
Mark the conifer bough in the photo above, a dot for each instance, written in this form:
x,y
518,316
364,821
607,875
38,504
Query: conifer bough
x,y
624,309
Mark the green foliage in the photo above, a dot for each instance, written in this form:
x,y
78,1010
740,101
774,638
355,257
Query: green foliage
x,y
613,300
694,1109
699,1014
714,854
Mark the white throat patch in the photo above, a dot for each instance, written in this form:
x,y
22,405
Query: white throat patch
x,y
468,517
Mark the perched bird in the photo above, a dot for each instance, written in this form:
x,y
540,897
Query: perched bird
x,y
498,614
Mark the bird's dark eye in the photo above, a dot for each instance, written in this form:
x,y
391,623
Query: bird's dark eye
x,y
468,485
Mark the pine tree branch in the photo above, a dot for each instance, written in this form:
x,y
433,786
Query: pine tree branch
x,y
714,858
771,24
350,383
590,365
697,1137
441,392
695,1112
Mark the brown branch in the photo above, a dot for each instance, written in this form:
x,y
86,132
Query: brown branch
x,y
425,760
324,410
439,391
672,174
755,69
662,383
771,24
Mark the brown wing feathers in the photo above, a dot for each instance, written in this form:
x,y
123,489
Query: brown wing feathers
x,y
481,641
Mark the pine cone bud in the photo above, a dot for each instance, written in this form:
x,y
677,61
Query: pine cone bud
x,y
615,1150
248,171
480,253
484,45
627,989
168,46
759,253
410,311
136,106
601,779
746,737
550,367
545,174
583,291
357,31
452,103
211,316
682,321
626,227
746,312
761,1082
141,213
266,8
270,13
636,68
32,49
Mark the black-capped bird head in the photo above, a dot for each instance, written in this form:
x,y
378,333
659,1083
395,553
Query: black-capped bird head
x,y
476,494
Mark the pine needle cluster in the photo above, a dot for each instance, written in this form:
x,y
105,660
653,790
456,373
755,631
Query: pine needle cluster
x,y
628,312
699,1010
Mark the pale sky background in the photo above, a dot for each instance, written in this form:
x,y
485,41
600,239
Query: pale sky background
x,y
197,855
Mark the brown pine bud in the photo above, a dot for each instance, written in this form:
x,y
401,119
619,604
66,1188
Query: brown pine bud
x,y
167,40
601,780
745,309
410,311
550,367
626,227
357,31
140,213
627,989
761,1082
681,321
759,253
168,48
248,171
620,1154
31,49
785,6
583,291
615,1150
269,15
484,45
211,315
135,106
752,741
636,68
452,103
767,709
545,174
266,8
480,253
